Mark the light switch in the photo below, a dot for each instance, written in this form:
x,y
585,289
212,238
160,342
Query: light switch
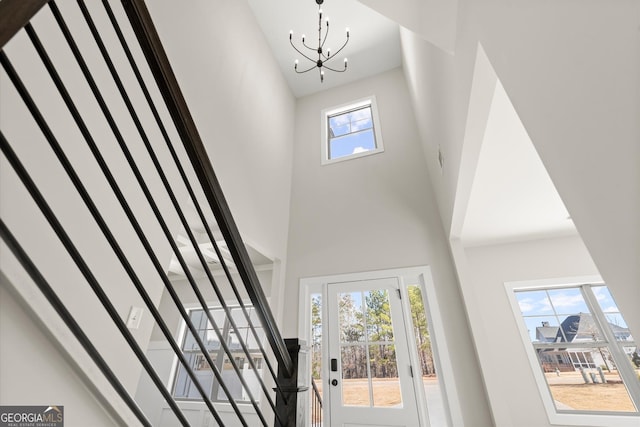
x,y
135,314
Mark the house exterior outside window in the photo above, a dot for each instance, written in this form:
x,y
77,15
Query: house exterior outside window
x,y
578,342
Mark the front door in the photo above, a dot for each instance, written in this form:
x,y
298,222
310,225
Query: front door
x,y
370,375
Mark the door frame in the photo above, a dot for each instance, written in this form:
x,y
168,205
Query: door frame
x,y
420,275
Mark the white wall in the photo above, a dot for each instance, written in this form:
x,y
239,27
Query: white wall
x,y
375,212
36,372
571,71
504,363
433,20
242,107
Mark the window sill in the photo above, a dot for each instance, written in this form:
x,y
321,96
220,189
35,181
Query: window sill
x,y
594,420
352,156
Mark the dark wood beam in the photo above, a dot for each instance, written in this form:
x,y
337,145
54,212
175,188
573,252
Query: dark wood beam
x,y
14,15
149,40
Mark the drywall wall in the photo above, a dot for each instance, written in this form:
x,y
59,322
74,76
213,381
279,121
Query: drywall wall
x,y
433,20
375,212
504,363
35,372
242,107
572,72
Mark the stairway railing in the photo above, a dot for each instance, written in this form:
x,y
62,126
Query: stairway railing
x,y
16,15
316,405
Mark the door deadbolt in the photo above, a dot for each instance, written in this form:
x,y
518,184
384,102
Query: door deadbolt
x,y
334,382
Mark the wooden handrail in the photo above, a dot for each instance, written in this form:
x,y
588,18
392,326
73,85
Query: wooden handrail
x,y
156,57
14,15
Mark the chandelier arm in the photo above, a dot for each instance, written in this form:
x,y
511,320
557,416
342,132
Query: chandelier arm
x,y
338,51
325,36
332,69
298,50
305,71
319,29
309,47
323,56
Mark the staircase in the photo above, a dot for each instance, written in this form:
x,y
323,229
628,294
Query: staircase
x,y
106,185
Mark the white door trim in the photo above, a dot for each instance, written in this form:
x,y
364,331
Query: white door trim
x,y
422,274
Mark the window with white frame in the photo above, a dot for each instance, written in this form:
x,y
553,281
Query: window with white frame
x,y
584,356
350,131
183,387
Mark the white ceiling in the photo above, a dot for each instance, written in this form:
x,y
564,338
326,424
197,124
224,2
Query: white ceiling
x,y
512,197
374,44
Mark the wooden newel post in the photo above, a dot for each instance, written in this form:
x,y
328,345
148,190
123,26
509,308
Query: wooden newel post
x,y
287,401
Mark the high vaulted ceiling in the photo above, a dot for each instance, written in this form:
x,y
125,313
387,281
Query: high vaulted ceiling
x,y
513,197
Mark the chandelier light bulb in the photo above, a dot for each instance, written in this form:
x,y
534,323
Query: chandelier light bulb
x,y
319,57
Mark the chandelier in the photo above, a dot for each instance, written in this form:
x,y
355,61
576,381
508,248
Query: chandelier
x,y
324,56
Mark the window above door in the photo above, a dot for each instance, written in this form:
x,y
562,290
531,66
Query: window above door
x,y
351,131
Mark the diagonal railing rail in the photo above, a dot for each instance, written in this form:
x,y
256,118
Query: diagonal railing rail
x,y
16,15
316,405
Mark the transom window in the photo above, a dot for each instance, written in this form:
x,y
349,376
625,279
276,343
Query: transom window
x,y
351,131
582,351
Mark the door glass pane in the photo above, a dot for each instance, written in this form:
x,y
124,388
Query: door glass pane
x,y
355,376
378,313
316,336
315,394
383,365
384,376
351,317
427,366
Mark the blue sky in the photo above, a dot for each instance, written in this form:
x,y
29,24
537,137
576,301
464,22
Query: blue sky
x,y
353,133
539,306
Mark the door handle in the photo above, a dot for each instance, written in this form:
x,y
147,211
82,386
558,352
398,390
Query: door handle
x,y
334,382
